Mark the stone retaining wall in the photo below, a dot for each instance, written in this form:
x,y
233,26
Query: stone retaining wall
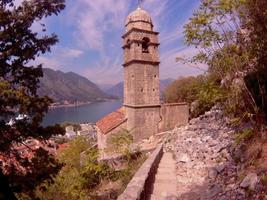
x,y
140,185
172,115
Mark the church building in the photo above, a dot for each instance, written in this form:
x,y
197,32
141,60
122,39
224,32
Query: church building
x,y
142,113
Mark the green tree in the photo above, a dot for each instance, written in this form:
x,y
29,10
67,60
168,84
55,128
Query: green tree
x,y
218,30
256,80
19,45
81,173
184,89
231,38
213,29
200,91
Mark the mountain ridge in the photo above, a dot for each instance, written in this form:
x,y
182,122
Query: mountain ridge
x,y
70,87
117,89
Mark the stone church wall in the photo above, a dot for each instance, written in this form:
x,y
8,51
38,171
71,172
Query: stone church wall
x,y
173,115
143,122
141,85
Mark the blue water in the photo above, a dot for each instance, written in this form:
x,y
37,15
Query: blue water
x,y
80,114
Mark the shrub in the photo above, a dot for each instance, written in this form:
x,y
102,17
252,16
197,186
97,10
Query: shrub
x,y
183,89
244,135
120,142
204,91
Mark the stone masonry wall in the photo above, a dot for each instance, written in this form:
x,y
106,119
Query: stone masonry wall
x,y
134,50
143,122
141,85
173,115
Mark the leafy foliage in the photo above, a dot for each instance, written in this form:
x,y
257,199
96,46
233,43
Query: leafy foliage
x,y
121,142
83,175
183,89
208,95
231,38
244,135
19,45
201,91
256,25
81,172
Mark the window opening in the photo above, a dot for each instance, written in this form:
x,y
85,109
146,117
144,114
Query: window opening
x,y
145,45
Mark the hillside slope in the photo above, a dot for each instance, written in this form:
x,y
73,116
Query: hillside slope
x,y
117,90
70,87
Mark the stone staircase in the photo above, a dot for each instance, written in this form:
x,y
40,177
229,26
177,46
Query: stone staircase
x,y
165,183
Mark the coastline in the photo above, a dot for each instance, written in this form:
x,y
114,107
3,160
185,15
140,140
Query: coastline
x,y
69,105
77,104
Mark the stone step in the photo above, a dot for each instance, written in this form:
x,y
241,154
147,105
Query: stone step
x,y
166,170
166,181
168,163
165,176
155,197
165,184
163,160
163,193
167,167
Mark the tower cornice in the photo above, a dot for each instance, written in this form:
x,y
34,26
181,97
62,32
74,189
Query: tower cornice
x,y
156,63
143,106
134,21
140,31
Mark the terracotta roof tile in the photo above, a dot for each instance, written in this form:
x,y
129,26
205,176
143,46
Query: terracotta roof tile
x,y
111,121
63,146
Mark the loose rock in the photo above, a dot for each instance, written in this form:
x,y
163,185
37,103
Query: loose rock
x,y
250,181
204,160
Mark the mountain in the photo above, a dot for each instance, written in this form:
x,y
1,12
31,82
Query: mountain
x,y
117,90
105,87
69,87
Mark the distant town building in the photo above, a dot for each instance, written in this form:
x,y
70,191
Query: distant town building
x,y
12,121
142,113
26,150
70,133
87,133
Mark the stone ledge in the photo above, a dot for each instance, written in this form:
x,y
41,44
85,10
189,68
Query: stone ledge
x,y
140,185
142,106
175,104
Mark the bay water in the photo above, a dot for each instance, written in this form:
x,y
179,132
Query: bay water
x,y
80,114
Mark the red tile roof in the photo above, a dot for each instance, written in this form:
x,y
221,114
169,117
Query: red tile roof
x,y
111,121
63,146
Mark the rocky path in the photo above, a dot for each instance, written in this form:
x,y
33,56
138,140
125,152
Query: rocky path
x,y
205,169
165,180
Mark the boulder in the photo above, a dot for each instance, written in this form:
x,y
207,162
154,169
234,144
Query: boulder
x,y
250,181
213,173
183,157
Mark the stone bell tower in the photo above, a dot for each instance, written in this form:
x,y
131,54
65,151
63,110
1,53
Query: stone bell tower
x,y
141,75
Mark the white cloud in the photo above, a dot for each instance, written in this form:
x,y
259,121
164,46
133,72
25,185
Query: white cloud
x,y
60,57
95,18
97,27
47,62
108,71
70,53
158,10
169,68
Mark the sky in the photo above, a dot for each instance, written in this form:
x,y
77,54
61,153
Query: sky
x,y
90,42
